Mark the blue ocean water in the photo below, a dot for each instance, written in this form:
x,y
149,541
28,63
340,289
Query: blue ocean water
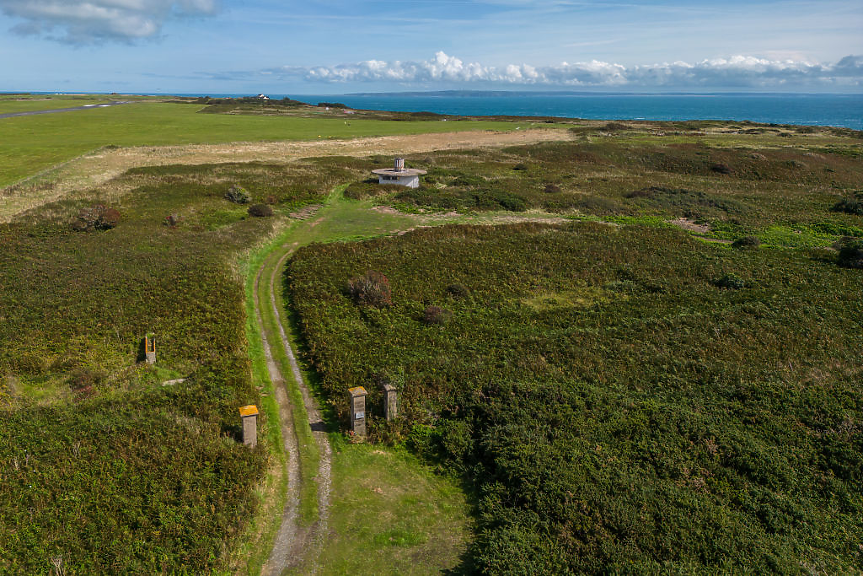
x,y
805,109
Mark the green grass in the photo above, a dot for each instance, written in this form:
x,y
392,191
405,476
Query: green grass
x,y
253,551
391,514
308,449
25,103
34,143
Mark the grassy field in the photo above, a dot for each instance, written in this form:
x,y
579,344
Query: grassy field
x,y
11,103
391,514
34,143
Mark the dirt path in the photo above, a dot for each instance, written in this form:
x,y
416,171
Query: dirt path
x,y
286,536
102,165
295,544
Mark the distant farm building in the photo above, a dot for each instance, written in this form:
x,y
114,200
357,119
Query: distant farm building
x,y
399,175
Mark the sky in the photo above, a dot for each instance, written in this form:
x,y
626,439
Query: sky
x,y
340,46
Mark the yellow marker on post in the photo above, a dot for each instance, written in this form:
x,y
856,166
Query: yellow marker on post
x,y
249,414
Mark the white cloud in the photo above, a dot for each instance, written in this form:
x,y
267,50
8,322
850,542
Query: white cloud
x,y
93,21
737,71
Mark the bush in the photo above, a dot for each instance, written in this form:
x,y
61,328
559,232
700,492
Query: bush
x,y
97,217
457,290
238,195
616,126
746,242
552,188
436,315
372,289
851,252
260,210
730,282
850,205
721,168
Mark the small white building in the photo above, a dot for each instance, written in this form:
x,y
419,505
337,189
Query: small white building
x,y
399,175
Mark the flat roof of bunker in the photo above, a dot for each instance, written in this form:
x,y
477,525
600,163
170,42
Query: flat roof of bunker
x,y
394,172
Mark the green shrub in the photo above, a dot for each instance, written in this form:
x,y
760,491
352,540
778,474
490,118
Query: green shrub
x,y
616,127
260,210
746,242
238,195
851,252
457,290
730,281
852,205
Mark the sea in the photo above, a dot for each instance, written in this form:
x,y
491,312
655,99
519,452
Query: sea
x,y
845,110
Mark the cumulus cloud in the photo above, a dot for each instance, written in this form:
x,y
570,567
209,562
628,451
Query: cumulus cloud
x,y
738,71
94,21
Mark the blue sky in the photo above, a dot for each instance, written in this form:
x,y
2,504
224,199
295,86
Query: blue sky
x,y
336,46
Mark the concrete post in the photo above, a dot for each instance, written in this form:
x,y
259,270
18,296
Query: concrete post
x,y
150,348
391,405
358,410
249,414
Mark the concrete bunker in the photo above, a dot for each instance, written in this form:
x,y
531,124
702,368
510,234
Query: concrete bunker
x,y
399,175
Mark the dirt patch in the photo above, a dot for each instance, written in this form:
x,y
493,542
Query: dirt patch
x,y
386,210
690,225
305,213
102,165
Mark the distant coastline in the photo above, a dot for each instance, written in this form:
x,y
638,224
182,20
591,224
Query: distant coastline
x,y
841,110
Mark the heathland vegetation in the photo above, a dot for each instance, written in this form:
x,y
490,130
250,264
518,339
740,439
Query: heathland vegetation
x,y
623,398
623,395
103,468
619,394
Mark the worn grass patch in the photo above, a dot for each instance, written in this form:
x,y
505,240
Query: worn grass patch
x,y
581,298
390,514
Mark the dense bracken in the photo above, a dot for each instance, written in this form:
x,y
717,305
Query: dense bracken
x,y
102,469
618,408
